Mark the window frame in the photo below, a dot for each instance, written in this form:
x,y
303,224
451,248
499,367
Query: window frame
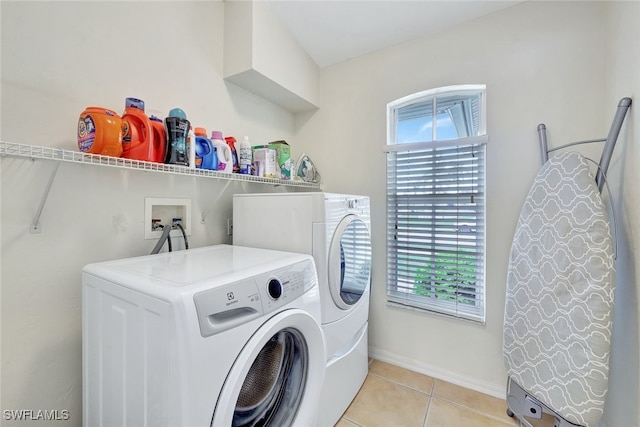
x,y
433,304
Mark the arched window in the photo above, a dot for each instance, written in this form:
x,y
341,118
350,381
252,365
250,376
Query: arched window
x,y
436,201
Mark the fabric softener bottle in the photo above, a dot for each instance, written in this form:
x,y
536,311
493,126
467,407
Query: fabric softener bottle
x,y
177,127
225,158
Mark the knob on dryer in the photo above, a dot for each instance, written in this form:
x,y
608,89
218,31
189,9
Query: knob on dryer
x,y
274,288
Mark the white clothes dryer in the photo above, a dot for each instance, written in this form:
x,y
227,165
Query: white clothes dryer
x,y
218,336
334,228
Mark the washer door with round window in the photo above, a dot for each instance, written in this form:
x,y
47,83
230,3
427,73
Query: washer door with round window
x,y
277,378
349,262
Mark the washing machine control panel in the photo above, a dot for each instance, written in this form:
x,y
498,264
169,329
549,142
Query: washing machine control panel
x,y
274,288
287,284
226,306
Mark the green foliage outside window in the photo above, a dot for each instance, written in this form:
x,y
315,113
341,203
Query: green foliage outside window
x,y
448,278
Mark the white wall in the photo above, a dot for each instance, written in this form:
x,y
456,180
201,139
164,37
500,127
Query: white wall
x,y
540,63
622,80
57,59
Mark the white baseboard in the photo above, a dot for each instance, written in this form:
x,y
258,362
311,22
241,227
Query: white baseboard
x,y
499,391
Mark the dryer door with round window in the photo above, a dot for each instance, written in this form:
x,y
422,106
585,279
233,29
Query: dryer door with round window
x,y
349,262
277,377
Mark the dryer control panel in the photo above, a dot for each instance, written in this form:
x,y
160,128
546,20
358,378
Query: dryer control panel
x,y
357,205
226,306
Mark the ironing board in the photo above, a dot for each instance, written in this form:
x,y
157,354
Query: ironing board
x,y
560,292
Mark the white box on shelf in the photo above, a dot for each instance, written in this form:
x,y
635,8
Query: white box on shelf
x,y
265,162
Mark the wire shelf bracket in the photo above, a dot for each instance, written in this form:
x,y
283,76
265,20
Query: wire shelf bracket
x,y
35,224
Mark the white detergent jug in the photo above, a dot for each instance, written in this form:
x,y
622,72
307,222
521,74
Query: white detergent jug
x,y
225,158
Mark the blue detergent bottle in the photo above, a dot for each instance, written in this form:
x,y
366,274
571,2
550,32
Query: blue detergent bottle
x,y
206,156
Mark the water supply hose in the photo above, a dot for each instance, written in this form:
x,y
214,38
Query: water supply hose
x,y
184,234
166,229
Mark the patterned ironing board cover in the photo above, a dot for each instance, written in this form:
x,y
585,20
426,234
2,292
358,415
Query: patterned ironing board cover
x,y
560,288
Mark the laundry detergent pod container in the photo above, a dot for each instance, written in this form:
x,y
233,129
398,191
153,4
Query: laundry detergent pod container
x,y
100,132
138,142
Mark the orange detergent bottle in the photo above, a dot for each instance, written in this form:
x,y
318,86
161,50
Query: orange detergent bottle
x,y
159,138
138,140
100,132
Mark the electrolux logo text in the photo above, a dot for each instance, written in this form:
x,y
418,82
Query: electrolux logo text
x,y
36,414
231,298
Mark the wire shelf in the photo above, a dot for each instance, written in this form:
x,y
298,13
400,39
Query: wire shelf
x,y
34,152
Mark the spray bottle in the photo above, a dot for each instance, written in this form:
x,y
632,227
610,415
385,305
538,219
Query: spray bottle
x,y
231,142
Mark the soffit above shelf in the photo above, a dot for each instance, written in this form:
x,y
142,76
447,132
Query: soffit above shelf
x,y
261,56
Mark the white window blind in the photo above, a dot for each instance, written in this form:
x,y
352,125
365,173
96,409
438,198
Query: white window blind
x,y
436,211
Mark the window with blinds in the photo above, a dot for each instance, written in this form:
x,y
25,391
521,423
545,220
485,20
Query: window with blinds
x,y
436,201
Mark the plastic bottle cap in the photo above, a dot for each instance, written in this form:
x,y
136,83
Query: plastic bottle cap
x,y
134,102
177,112
216,134
155,119
200,131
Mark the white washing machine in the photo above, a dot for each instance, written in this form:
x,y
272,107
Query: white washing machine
x,y
334,228
218,336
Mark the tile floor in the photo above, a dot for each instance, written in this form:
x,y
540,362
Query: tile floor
x,y
393,396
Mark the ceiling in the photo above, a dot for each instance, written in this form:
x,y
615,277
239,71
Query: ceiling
x,y
332,31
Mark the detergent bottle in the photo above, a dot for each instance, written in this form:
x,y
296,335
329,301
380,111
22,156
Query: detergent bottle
x,y
100,132
159,139
231,142
177,127
225,159
245,156
206,157
191,146
137,133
